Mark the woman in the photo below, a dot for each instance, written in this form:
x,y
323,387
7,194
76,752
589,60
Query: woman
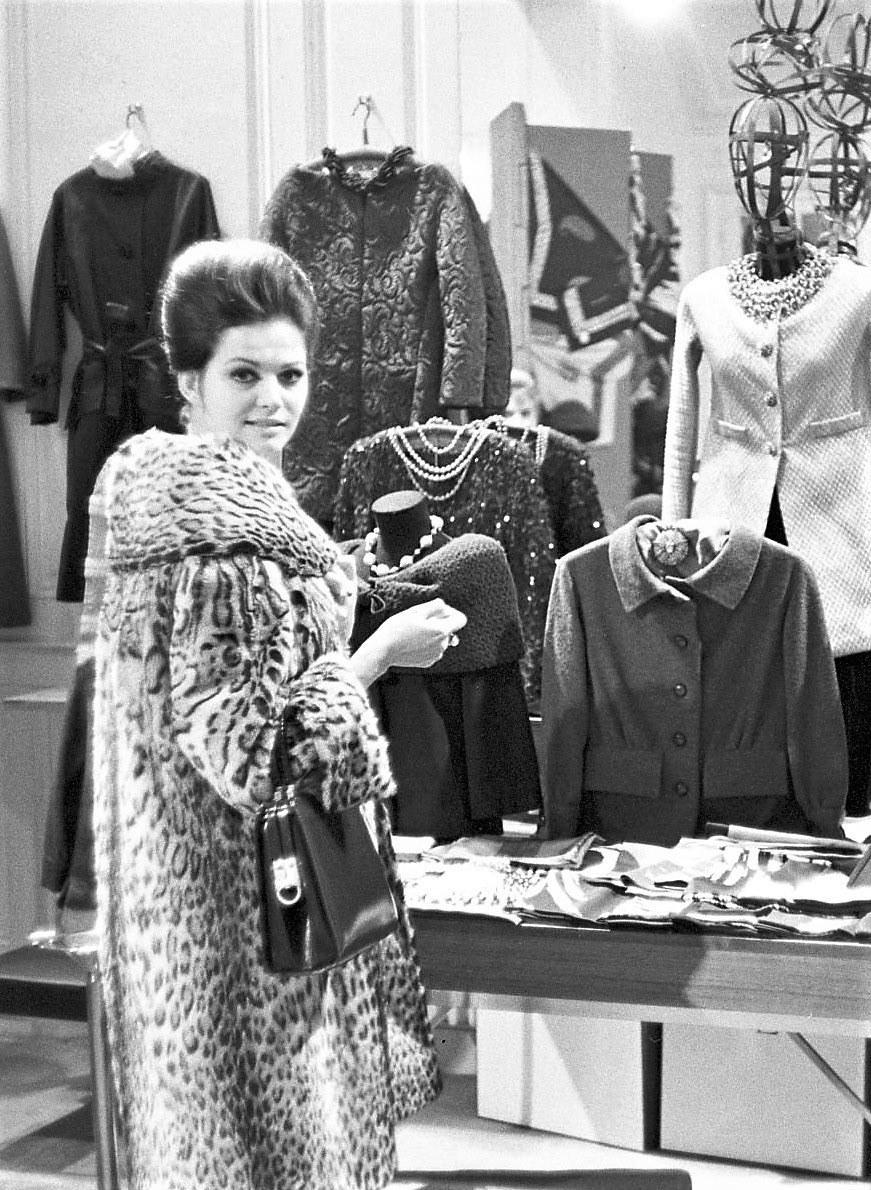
x,y
223,622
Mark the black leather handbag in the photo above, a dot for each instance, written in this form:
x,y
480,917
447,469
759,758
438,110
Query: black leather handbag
x,y
324,893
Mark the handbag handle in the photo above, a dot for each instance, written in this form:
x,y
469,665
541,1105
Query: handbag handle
x,y
284,869
279,765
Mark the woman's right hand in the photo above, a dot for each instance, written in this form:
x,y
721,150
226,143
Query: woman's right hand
x,y
419,636
415,638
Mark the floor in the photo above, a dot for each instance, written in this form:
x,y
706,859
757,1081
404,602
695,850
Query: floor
x,y
45,1131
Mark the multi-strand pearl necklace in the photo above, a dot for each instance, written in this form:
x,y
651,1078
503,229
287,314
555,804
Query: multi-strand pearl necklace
x,y
764,300
424,474
381,569
539,433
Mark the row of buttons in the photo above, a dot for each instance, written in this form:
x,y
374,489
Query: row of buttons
x,y
679,739
767,350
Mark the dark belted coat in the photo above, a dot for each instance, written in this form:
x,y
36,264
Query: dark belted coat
x,y
105,247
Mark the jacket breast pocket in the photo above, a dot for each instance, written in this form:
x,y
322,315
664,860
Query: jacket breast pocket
x,y
630,771
728,429
837,425
753,772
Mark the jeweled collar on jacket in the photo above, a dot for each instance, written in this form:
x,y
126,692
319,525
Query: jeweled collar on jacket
x,y
724,579
362,182
170,496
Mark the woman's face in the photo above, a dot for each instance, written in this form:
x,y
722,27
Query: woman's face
x,y
253,388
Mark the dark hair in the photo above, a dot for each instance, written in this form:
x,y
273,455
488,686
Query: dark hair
x,y
218,284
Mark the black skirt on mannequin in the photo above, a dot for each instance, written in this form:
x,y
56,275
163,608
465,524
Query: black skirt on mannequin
x,y
854,684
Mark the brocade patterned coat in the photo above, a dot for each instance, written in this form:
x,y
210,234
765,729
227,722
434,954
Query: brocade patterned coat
x,y
216,631
397,271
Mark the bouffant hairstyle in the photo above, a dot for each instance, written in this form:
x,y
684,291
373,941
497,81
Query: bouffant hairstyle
x,y
218,284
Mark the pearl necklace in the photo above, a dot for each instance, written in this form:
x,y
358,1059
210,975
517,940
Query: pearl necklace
x,y
497,422
764,300
381,569
422,473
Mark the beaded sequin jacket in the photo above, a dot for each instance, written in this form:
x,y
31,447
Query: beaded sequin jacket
x,y
569,485
790,406
500,496
397,269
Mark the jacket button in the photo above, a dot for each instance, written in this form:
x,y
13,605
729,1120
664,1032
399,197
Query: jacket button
x,y
125,252
680,690
679,739
772,449
681,788
771,400
766,350
680,640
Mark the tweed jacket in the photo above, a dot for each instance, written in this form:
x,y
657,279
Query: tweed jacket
x,y
395,264
791,406
668,704
216,631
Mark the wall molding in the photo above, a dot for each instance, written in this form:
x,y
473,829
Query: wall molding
x,y
315,74
410,70
257,74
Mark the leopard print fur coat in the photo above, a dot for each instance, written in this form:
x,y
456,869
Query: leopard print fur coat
x,y
216,623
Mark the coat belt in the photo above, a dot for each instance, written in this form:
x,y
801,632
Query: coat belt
x,y
116,355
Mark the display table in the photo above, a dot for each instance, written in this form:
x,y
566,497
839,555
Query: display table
x,y
785,984
798,987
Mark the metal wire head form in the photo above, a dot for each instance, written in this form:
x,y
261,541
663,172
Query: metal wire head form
x,y
768,150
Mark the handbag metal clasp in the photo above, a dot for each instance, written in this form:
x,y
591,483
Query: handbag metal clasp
x,y
285,878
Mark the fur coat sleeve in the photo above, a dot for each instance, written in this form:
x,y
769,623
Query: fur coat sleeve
x,y
233,685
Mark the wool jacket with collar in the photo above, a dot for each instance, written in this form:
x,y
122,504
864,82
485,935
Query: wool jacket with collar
x,y
670,703
790,406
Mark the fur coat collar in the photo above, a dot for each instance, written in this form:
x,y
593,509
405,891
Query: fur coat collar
x,y
172,496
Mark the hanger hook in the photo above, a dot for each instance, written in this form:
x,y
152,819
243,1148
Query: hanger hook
x,y
367,103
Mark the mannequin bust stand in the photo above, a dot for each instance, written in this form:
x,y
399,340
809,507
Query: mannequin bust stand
x,y
404,533
779,250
